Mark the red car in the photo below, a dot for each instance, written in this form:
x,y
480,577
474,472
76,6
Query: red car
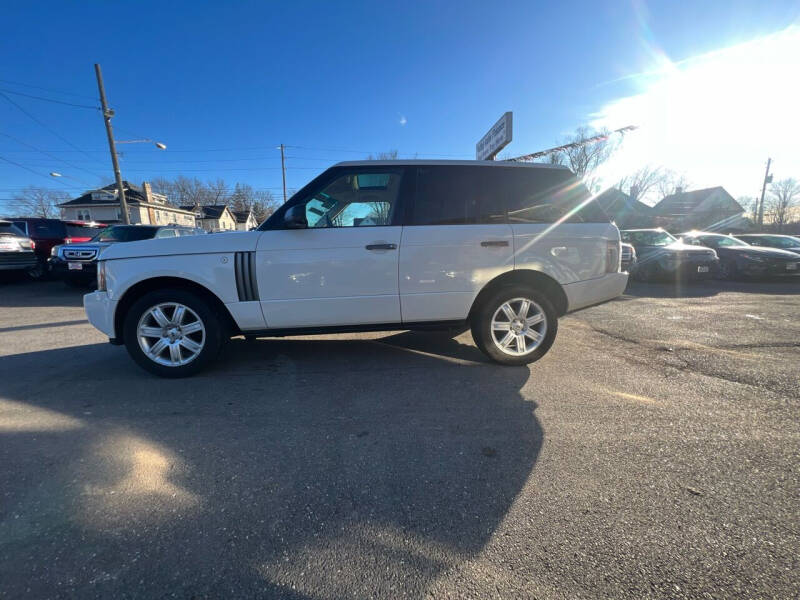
x,y
46,233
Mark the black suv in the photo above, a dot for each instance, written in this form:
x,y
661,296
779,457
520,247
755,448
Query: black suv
x,y
76,264
663,256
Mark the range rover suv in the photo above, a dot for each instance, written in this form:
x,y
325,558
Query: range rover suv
x,y
501,248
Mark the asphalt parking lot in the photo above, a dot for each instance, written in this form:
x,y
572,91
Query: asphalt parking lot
x,y
653,452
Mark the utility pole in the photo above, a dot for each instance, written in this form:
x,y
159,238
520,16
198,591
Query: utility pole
x,y
107,114
767,179
283,172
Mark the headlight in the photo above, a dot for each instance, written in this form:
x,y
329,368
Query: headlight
x,y
101,276
54,251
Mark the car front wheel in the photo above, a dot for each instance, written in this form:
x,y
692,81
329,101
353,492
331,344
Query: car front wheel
x,y
172,333
515,325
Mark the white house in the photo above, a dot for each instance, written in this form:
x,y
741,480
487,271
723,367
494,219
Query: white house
x,y
144,207
245,220
214,217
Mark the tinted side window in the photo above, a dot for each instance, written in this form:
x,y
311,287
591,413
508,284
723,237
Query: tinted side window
x,y
48,229
540,195
458,195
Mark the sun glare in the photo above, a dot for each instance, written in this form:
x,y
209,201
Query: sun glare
x,y
715,117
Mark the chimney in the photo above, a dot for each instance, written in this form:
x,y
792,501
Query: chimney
x,y
679,190
147,190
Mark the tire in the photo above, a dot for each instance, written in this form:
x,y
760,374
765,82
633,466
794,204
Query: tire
x,y
173,339
491,309
39,272
727,270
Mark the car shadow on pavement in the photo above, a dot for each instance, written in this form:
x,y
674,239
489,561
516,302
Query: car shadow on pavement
x,y
328,468
20,291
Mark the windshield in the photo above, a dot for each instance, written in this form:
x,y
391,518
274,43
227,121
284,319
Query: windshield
x,y
8,229
125,233
648,238
722,241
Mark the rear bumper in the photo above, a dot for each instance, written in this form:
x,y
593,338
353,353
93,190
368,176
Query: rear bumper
x,y
100,312
12,261
594,291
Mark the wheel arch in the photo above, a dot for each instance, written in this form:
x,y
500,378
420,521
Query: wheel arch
x,y
540,281
139,289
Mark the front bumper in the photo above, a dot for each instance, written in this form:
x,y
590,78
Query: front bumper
x,y
678,267
751,268
13,261
100,311
60,268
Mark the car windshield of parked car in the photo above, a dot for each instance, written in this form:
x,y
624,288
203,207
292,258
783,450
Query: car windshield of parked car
x,y
81,231
8,229
722,241
649,238
125,233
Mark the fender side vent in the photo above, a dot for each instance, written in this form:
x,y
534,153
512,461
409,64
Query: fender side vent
x,y
245,267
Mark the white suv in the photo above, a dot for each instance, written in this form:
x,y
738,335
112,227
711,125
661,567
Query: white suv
x,y
501,248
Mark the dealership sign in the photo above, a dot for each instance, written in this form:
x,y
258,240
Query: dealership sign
x,y
495,140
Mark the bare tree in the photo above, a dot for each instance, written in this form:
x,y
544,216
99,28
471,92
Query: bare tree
x,y
784,195
640,184
390,155
261,202
671,182
584,157
750,205
39,202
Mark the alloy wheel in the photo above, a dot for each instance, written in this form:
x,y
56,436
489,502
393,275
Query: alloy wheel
x,y
518,326
171,334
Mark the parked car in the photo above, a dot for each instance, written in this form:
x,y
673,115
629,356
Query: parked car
x,y
737,258
628,258
769,240
16,249
76,264
663,256
504,248
47,233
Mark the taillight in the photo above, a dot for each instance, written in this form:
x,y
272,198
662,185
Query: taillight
x,y
612,256
33,245
101,276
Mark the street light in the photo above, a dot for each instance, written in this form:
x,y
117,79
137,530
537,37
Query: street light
x,y
159,145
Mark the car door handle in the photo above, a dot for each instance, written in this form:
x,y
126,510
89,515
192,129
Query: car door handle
x,y
381,246
494,243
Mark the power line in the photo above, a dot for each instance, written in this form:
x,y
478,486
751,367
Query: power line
x,y
45,89
26,168
61,160
49,99
35,120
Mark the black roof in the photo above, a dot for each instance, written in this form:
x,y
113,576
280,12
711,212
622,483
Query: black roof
x,y
133,195
242,215
210,211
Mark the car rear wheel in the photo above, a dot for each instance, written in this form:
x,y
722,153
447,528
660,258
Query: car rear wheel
x,y
172,333
515,325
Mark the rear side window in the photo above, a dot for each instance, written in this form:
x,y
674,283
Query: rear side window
x,y
483,195
458,196
47,229
549,195
81,230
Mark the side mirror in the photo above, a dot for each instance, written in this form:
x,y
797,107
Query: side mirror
x,y
295,217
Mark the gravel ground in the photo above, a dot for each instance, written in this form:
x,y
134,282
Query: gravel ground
x,y
653,453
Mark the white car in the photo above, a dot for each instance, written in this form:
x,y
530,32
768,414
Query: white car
x,y
501,248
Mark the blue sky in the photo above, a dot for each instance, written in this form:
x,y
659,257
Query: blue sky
x,y
223,84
